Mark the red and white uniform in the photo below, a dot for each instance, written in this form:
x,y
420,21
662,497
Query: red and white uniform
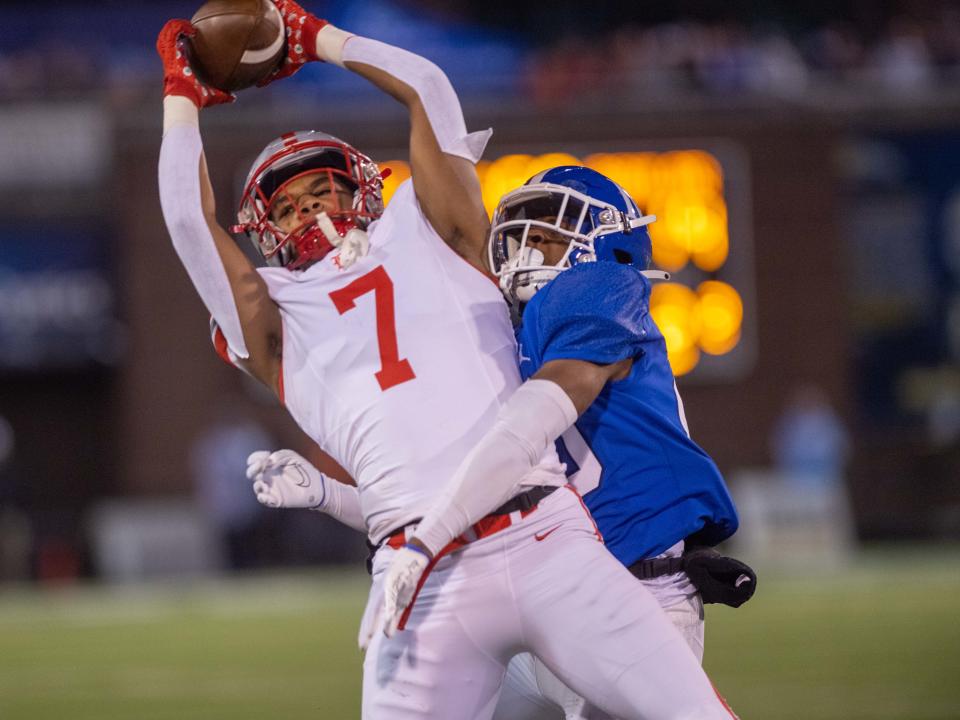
x,y
382,362
396,367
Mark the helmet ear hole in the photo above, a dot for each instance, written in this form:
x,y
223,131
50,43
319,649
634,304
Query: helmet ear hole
x,y
622,256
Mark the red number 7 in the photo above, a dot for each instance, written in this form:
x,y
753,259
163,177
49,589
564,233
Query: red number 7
x,y
393,370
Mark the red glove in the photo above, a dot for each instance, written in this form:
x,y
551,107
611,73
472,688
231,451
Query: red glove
x,y
178,76
302,28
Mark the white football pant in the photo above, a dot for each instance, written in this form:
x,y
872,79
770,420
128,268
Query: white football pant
x,y
545,585
531,692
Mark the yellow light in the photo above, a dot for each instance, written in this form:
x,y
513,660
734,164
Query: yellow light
x,y
511,171
400,171
634,172
695,224
675,310
721,312
694,170
714,250
669,249
683,361
501,176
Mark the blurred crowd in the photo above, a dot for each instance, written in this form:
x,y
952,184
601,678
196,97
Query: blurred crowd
x,y
901,53
907,55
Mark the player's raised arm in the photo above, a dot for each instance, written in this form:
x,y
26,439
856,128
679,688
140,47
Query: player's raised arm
x,y
443,155
227,282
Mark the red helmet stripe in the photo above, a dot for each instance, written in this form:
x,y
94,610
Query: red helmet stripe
x,y
306,243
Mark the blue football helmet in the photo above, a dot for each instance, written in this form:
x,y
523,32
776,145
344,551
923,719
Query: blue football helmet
x,y
601,221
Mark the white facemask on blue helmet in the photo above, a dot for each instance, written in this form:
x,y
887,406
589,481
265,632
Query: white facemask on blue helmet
x,y
601,221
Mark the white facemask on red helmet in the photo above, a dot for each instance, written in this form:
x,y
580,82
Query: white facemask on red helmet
x,y
293,156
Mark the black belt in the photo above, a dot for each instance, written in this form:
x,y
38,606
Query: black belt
x,y
523,502
656,567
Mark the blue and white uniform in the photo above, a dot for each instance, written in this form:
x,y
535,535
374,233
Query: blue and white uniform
x,y
646,483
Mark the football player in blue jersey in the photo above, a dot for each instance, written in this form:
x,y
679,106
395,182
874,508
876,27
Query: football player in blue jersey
x,y
572,254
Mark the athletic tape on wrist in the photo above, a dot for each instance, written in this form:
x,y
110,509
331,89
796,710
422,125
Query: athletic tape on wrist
x,y
330,42
179,110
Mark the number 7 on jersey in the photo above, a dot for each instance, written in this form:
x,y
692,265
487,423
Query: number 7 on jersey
x,y
393,370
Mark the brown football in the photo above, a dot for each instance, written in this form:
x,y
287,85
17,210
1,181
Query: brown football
x,y
238,42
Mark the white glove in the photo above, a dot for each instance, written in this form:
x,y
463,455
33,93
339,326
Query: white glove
x,y
403,578
284,479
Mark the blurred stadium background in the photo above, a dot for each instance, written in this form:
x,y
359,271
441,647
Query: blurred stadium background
x,y
804,162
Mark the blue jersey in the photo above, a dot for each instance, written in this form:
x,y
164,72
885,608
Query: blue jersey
x,y
646,483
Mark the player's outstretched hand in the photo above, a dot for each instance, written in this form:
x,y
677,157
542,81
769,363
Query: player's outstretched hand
x,y
404,576
178,76
284,479
302,28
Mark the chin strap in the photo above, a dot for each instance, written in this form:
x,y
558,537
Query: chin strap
x,y
655,274
641,221
638,223
353,246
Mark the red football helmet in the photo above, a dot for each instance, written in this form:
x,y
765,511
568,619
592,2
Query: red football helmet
x,y
292,156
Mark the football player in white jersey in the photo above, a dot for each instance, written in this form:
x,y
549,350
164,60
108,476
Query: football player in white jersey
x,y
388,347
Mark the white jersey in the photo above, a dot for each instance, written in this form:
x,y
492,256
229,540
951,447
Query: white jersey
x,y
397,365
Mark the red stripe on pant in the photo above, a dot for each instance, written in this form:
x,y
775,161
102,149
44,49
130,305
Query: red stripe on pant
x,y
723,701
593,522
455,545
484,527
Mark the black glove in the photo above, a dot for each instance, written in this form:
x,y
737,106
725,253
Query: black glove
x,y
719,579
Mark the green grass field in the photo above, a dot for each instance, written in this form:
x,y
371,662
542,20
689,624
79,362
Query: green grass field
x,y
878,642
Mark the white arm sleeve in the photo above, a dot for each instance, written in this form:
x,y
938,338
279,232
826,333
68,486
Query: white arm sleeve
x,y
534,417
183,213
342,502
430,83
